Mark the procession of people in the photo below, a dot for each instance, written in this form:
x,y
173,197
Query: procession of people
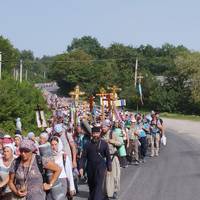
x,y
80,142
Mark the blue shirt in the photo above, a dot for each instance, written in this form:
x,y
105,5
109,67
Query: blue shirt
x,y
141,131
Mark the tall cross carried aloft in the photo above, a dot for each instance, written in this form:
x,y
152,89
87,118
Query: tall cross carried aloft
x,y
114,96
114,90
102,94
76,94
91,100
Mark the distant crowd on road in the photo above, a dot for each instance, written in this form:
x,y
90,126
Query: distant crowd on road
x,y
46,85
75,147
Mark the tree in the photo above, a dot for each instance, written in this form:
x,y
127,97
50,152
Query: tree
x,y
10,55
188,66
88,44
19,100
27,55
76,67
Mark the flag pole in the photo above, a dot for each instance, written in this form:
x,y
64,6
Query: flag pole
x,y
136,69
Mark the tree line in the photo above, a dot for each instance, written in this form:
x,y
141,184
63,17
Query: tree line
x,y
87,63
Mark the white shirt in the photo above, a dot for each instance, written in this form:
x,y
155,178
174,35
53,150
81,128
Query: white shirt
x,y
58,158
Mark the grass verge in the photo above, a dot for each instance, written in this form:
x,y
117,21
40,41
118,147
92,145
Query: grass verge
x,y
180,116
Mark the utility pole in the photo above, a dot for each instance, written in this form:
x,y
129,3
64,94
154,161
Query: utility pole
x,y
26,75
16,74
20,73
44,75
0,64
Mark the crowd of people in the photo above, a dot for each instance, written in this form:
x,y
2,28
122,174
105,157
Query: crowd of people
x,y
73,148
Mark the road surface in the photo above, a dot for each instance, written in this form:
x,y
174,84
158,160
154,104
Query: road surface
x,y
174,175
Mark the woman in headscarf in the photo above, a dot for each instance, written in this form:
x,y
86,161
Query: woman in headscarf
x,y
26,178
121,150
58,158
17,141
5,163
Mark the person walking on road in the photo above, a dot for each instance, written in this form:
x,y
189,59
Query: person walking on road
x,y
112,178
155,128
133,149
96,154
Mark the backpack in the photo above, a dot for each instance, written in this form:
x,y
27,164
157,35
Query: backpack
x,y
39,164
116,152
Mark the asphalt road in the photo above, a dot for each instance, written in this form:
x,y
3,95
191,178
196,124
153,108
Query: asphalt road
x,y
174,175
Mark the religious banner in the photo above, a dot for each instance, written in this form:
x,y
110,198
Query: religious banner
x,y
40,119
140,93
120,103
116,115
103,101
139,88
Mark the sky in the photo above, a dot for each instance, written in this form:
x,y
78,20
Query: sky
x,y
47,27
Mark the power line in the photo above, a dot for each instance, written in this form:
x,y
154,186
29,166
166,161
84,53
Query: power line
x,y
69,61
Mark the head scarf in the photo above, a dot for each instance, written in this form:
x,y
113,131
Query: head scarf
x,y
44,135
31,135
106,123
19,136
28,144
9,146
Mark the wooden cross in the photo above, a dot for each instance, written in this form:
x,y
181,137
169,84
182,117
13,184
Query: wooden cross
x,y
102,94
114,90
108,98
114,96
91,100
76,93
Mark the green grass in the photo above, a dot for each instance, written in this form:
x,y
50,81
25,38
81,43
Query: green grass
x,y
180,116
172,115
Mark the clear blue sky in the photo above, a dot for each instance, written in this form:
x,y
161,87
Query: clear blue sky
x,y
47,26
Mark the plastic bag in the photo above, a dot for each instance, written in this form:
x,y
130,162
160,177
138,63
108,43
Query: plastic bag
x,y
164,140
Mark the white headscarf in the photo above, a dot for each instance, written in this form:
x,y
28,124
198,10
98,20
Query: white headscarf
x,y
45,135
9,146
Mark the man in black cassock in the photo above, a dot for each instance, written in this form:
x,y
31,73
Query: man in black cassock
x,y
96,154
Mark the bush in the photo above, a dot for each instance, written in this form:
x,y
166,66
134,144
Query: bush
x,y
19,100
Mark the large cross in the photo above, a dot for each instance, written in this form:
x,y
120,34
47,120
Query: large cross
x,y
76,93
114,96
102,94
91,100
114,90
